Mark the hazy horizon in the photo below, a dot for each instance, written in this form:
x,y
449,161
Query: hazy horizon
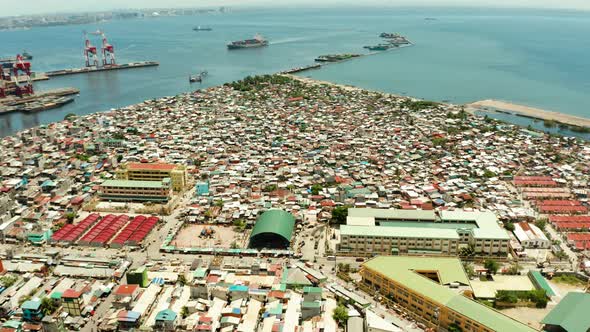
x,y
33,7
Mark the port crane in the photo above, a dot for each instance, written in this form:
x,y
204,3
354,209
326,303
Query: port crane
x,y
90,53
25,67
108,50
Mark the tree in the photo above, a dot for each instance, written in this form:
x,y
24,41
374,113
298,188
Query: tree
x,y
509,226
70,216
316,188
468,267
454,328
541,223
514,269
340,315
182,279
491,265
48,306
184,312
339,214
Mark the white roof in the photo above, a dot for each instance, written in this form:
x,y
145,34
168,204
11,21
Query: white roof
x,y
374,321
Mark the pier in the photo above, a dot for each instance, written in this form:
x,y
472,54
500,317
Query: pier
x,y
38,102
85,70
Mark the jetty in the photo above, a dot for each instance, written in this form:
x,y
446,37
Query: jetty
x,y
301,69
528,112
39,101
93,69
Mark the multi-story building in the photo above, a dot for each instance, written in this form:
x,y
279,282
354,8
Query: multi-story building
x,y
72,302
403,232
154,172
430,290
129,190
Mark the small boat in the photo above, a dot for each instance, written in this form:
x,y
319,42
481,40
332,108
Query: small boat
x,y
200,28
198,78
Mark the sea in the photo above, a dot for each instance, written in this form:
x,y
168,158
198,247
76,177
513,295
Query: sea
x,y
537,58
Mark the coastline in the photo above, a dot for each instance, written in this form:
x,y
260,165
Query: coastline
x,y
527,111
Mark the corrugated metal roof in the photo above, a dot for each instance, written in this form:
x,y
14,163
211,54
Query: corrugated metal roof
x,y
275,221
571,313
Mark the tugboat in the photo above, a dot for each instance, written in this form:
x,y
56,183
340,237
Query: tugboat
x,y
257,41
200,28
198,78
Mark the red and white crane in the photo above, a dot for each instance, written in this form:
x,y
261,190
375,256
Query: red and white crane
x,y
108,51
25,67
90,53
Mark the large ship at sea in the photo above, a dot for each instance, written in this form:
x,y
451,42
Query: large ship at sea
x,y
257,41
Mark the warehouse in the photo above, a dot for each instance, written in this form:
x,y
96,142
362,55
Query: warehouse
x,y
530,236
380,231
273,229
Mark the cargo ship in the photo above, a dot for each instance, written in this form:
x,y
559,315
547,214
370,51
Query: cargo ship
x,y
257,41
200,28
380,47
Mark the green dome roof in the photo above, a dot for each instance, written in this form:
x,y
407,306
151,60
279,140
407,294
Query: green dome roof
x,y
273,223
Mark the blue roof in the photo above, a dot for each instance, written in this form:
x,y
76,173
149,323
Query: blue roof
x,y
238,288
166,314
31,305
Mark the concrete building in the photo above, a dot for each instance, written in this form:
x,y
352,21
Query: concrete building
x,y
138,277
72,302
154,172
132,190
423,287
530,236
166,320
407,232
32,310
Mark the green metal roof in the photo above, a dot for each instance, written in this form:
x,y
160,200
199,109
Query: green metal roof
x,y
541,282
402,270
399,232
275,221
571,313
132,184
166,315
31,305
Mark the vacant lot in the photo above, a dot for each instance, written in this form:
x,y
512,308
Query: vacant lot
x,y
221,237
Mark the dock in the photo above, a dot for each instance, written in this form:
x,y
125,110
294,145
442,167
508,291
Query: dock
x,y
301,69
85,70
38,102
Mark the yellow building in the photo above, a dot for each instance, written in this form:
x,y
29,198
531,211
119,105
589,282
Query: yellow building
x,y
429,289
154,172
132,190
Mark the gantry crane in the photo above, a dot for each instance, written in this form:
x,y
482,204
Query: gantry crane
x,y
89,52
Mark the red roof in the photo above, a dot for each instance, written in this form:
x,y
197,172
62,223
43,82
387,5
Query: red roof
x,y
153,166
126,290
71,294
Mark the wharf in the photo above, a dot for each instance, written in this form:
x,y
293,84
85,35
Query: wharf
x,y
85,70
38,102
301,69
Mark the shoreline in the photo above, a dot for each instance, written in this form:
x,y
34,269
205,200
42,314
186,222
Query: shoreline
x,y
489,105
500,106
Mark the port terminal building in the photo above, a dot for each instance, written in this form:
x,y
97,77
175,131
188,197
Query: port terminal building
x,y
154,172
418,232
431,290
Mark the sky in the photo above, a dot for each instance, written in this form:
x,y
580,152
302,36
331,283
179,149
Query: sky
x,y
53,6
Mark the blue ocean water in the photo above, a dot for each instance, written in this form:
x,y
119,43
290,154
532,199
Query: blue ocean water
x,y
536,58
